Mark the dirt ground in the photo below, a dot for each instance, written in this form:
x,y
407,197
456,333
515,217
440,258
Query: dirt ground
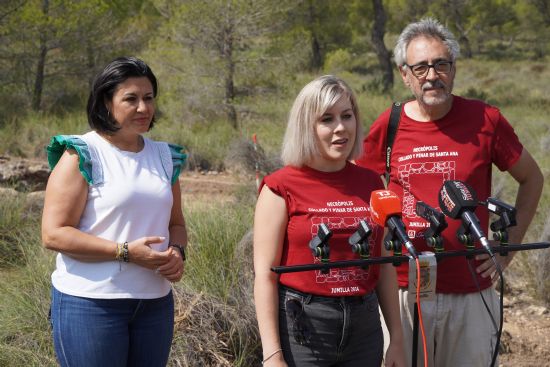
x,y
207,187
526,336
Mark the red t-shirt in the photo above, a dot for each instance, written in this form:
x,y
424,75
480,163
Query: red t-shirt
x,y
340,200
463,145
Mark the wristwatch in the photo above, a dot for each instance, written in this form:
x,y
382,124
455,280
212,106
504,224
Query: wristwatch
x,y
180,248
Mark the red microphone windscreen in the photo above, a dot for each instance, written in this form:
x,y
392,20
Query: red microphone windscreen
x,y
383,204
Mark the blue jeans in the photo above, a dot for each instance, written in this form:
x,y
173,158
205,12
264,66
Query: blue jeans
x,y
121,332
330,331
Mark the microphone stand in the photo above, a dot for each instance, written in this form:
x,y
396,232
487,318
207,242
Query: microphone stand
x,y
507,219
434,239
401,258
398,259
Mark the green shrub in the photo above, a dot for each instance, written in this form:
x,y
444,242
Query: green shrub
x,y
204,142
338,61
474,93
28,136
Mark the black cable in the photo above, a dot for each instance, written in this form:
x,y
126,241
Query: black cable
x,y
501,304
474,277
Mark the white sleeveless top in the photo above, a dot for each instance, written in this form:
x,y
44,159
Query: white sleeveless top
x,y
130,197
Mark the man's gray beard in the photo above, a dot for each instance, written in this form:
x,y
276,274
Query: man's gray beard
x,y
443,95
435,100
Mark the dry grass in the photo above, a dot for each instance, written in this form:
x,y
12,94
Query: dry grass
x,y
209,332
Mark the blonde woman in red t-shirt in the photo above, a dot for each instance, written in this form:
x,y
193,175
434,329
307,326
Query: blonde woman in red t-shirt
x,y
313,318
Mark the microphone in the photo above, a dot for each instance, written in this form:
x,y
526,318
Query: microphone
x,y
506,212
358,240
458,200
319,244
437,221
385,207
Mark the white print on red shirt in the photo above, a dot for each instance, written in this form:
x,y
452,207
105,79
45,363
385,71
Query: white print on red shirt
x,y
445,169
340,275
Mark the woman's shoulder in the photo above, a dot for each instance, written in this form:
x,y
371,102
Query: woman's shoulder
x,y
281,178
60,143
285,173
174,148
172,155
291,172
155,141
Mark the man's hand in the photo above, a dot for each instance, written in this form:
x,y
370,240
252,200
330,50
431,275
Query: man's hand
x,y
488,268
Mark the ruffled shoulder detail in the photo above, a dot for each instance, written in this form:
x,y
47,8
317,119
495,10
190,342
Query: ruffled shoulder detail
x,y
178,160
60,143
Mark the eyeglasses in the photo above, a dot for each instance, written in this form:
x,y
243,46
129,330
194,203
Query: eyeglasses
x,y
440,67
300,332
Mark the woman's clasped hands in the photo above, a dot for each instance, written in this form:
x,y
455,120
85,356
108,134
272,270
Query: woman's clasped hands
x,y
168,263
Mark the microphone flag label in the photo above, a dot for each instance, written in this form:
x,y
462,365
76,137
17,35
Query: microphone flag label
x,y
384,203
455,197
445,200
428,277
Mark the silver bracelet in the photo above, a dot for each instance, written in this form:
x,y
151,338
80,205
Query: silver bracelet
x,y
271,355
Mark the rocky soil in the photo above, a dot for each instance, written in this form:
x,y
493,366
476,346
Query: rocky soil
x,y
526,335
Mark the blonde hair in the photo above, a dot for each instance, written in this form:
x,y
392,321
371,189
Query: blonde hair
x,y
299,143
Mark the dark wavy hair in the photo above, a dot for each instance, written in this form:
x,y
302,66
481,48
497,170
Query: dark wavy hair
x,y
104,86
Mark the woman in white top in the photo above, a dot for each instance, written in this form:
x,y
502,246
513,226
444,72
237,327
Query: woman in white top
x,y
113,213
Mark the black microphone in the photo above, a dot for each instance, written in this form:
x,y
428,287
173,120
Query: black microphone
x,y
458,200
437,221
359,240
319,244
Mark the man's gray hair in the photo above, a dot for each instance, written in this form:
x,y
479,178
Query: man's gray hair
x,y
427,27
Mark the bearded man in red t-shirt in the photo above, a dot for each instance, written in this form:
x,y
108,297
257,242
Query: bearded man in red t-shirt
x,y
442,137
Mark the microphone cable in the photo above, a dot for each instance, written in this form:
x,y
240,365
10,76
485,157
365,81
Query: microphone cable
x,y
420,320
474,278
501,303
501,306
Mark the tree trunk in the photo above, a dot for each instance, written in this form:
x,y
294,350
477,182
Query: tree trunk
x,y
39,76
465,46
544,10
456,16
229,83
90,65
377,38
316,56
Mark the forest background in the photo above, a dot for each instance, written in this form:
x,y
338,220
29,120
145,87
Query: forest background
x,y
228,69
